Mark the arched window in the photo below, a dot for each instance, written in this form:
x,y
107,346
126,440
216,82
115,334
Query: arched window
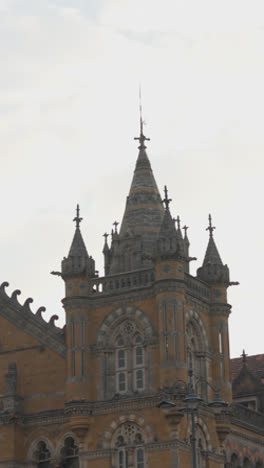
x,y
123,345
195,347
42,455
140,458
69,454
234,462
130,359
128,445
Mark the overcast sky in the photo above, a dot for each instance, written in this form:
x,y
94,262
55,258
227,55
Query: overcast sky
x,y
70,71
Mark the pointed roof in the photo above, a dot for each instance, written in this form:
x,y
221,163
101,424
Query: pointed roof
x,y
212,255
212,270
168,227
78,248
144,210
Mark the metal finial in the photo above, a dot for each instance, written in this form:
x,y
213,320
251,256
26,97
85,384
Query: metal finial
x,y
105,235
115,224
77,218
142,137
185,228
244,357
166,200
210,227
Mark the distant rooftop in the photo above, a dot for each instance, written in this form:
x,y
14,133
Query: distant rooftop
x,y
254,363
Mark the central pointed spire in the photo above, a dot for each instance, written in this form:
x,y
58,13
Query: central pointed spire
x,y
142,218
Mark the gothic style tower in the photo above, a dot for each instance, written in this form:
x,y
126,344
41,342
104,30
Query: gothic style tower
x,y
142,348
131,332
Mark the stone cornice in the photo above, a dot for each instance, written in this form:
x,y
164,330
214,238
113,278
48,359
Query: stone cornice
x,y
235,435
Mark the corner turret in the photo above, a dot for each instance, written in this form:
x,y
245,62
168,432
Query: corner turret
x,y
213,270
170,241
78,262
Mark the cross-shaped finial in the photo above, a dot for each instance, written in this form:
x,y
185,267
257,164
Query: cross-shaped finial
x,y
77,218
185,228
210,227
244,357
105,235
142,137
166,200
115,224
178,221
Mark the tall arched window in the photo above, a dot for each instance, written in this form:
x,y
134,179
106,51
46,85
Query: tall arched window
x,y
42,455
69,454
129,359
128,446
196,347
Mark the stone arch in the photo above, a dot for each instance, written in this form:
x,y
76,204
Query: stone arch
x,y
34,445
145,427
60,444
193,316
130,376
115,317
204,428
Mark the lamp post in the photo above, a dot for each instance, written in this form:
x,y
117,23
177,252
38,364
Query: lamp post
x,y
191,404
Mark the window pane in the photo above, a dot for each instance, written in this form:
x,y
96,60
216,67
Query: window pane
x,y
139,355
140,458
120,341
138,339
121,460
121,358
122,382
139,379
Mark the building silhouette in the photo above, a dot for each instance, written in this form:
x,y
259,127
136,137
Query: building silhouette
x,y
109,389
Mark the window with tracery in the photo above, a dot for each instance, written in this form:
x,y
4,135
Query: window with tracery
x,y
128,445
69,454
42,455
130,359
195,349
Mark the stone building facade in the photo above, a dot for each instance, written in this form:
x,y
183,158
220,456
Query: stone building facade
x,y
107,390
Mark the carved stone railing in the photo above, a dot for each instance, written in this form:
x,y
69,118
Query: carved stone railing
x,y
197,288
140,279
122,282
247,417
